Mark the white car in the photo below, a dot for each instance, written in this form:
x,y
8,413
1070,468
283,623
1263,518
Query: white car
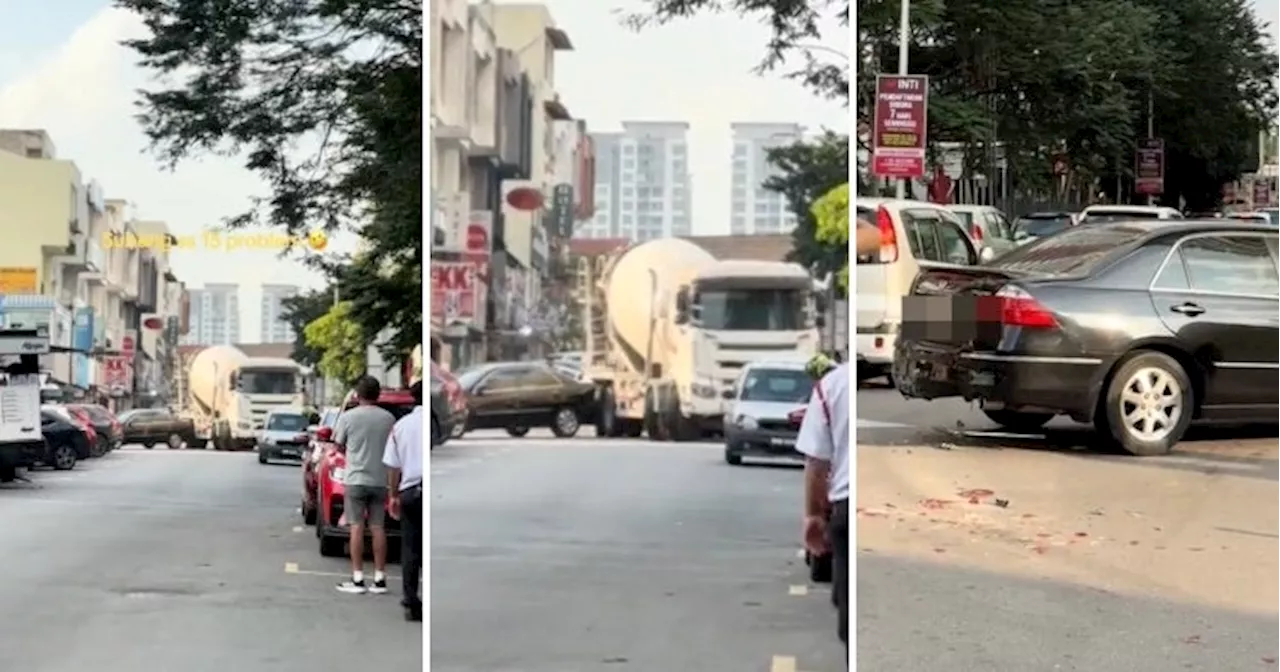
x,y
1112,213
284,436
756,421
912,233
986,225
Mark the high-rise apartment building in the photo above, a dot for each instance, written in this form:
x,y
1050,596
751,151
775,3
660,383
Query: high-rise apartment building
x,y
274,329
754,209
215,315
642,189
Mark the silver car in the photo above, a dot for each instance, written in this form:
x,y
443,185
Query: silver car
x,y
756,422
283,436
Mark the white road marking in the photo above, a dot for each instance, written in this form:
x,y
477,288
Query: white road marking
x,y
292,568
798,590
783,664
876,424
297,528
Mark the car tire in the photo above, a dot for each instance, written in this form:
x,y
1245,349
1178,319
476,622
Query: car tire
x,y
331,546
435,433
565,424
1018,421
148,444
731,456
175,442
517,431
821,567
1153,378
308,514
62,457
632,429
262,457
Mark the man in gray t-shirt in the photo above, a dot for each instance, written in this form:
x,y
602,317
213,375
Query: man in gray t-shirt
x,y
362,433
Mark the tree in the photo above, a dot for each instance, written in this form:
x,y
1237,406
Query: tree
x,y
340,340
323,100
300,311
807,170
793,25
831,212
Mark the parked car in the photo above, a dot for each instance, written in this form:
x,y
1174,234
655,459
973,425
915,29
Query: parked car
x,y
1096,214
449,412
987,226
81,422
1138,327
108,428
321,437
1036,225
757,422
65,441
332,527
1252,217
1273,216
517,396
150,426
913,235
283,436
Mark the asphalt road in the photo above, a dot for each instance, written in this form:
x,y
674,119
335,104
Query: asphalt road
x,y
183,560
585,554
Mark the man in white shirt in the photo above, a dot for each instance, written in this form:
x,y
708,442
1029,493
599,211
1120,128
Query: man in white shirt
x,y
403,459
824,440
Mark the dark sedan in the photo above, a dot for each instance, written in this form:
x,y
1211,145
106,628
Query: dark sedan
x,y
517,396
1136,327
150,426
65,442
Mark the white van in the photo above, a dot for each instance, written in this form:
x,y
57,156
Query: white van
x,y
911,233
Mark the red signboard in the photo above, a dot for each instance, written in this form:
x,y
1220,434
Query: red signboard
x,y
455,289
115,371
1261,193
477,245
900,132
1148,169
129,343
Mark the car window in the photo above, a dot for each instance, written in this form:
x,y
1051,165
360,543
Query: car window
x,y
1230,264
954,244
922,234
503,379
995,225
777,385
1041,226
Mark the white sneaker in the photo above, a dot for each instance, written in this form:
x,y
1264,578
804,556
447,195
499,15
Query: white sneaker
x,y
352,587
379,587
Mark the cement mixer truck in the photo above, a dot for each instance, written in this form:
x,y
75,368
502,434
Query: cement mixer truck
x,y
669,327
228,394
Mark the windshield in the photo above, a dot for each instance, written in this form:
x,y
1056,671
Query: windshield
x,y
750,309
268,382
1039,227
286,423
469,377
779,385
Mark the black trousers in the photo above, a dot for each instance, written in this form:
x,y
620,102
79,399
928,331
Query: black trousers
x,y
839,532
411,549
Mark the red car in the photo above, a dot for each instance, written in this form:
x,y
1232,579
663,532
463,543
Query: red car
x,y
320,442
332,527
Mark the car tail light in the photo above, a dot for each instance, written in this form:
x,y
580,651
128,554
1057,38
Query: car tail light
x,y
1020,309
976,232
888,237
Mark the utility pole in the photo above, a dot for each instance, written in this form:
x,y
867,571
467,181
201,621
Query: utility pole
x,y
1151,132
904,42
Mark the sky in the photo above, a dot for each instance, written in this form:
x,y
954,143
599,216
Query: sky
x,y
65,72
698,71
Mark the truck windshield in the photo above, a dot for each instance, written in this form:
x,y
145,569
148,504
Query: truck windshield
x,y
268,382
751,309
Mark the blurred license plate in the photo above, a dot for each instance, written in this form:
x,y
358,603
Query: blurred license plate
x,y
782,442
291,452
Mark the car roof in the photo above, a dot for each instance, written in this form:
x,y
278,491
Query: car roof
x,y
968,207
788,364
874,202
1121,209
287,411
1159,227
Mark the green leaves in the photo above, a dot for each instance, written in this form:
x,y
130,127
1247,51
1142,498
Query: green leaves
x,y
323,102
338,336
808,170
831,212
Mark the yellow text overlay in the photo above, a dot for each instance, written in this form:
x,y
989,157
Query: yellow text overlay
x,y
217,241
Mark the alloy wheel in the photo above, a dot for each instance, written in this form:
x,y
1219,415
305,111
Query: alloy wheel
x,y
1151,403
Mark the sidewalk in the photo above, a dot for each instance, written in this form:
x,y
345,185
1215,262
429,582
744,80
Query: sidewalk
x,y
1114,525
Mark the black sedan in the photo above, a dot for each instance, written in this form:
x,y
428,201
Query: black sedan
x,y
1139,328
517,396
65,443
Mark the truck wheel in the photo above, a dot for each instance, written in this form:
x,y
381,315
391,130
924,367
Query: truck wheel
x,y
631,429
652,420
607,417
679,427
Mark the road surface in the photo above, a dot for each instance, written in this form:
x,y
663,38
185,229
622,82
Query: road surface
x,y
1035,553
180,560
587,554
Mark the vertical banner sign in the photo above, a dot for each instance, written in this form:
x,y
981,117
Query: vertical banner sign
x,y
1261,193
82,343
1148,168
453,290
562,211
478,236
899,135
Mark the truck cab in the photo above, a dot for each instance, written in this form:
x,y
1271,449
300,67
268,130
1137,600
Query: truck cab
x,y
21,442
268,384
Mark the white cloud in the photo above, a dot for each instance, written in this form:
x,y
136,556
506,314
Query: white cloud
x,y
83,94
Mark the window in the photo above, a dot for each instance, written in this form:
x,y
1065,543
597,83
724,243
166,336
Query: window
x,y
628,191
739,149
628,150
501,380
629,164
677,150
538,377
1226,264
996,226
933,238
1076,251
626,220
678,167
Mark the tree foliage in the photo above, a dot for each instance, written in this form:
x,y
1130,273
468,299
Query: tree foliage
x,y
808,170
299,311
340,340
323,101
794,28
831,212
1051,80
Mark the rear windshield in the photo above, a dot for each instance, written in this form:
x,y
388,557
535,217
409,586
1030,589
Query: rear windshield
x,y
1041,226
1075,251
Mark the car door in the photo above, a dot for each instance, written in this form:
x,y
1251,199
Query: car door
x,y
540,393
494,400
1219,294
139,426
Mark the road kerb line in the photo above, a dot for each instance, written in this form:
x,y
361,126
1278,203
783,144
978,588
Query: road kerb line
x,y
292,568
783,664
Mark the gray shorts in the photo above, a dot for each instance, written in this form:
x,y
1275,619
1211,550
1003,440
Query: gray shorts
x,y
365,500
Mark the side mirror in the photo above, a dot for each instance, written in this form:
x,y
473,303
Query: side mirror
x,y
324,434
729,394
682,305
986,255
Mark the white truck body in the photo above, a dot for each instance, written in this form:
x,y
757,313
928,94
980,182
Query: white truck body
x,y
670,328
21,438
229,394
